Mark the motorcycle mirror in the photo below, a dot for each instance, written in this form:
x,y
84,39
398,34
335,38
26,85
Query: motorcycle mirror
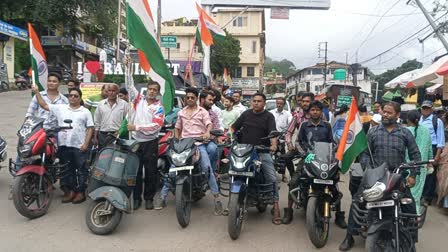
x,y
68,121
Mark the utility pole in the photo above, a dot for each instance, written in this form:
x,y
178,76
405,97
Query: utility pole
x,y
117,55
433,24
159,20
325,60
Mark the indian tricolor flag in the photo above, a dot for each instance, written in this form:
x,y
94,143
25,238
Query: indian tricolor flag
x,y
207,30
38,60
142,35
353,141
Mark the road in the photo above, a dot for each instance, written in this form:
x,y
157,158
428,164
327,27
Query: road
x,y
64,228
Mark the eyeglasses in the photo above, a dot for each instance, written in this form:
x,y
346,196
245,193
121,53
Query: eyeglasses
x,y
425,108
73,95
190,97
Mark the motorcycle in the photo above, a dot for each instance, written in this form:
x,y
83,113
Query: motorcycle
x,y
32,189
247,184
3,147
163,164
279,163
112,180
318,192
377,208
191,183
22,80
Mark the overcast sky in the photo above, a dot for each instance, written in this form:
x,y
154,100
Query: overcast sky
x,y
347,27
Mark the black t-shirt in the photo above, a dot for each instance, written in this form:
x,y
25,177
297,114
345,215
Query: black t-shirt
x,y
254,126
320,133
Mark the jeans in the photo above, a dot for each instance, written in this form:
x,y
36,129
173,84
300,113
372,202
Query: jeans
x,y
270,175
147,153
212,150
352,227
74,175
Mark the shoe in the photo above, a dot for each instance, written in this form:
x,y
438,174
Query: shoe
x,y
347,244
149,205
68,197
137,204
79,198
340,220
218,207
160,204
288,214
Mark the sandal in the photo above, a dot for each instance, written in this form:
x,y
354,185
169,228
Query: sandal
x,y
277,219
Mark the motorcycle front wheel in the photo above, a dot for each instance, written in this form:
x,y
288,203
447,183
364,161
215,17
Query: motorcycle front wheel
x,y
32,194
183,204
102,217
236,214
317,225
382,241
4,86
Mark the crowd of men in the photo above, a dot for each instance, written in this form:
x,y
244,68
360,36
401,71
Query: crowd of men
x,y
97,120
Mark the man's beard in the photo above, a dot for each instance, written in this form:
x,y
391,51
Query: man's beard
x,y
207,106
388,122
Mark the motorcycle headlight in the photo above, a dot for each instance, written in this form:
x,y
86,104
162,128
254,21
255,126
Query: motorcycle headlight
x,y
239,163
179,159
324,167
374,193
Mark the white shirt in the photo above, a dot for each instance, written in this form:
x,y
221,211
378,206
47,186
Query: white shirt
x,y
109,118
282,119
82,119
240,108
148,120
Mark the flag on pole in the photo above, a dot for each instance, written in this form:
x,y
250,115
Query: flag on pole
x,y
353,141
38,61
207,30
142,35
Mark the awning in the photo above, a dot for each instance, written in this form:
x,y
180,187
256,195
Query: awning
x,y
403,79
432,89
429,73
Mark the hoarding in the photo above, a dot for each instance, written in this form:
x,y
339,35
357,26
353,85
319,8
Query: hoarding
x,y
291,4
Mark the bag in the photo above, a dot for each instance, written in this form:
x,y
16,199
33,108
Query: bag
x,y
123,132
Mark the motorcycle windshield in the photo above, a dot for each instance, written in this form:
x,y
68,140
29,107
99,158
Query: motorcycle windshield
x,y
180,145
31,125
324,152
371,176
241,150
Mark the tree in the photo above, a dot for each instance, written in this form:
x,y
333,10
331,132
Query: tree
x,y
284,67
225,53
441,6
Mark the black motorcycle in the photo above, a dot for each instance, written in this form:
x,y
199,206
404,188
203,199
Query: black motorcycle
x,y
377,208
318,192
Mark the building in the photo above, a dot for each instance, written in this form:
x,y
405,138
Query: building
x,y
312,78
9,35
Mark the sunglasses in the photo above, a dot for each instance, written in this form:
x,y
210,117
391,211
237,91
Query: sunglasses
x,y
73,95
190,97
425,108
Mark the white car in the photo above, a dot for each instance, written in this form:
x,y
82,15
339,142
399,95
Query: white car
x,y
271,104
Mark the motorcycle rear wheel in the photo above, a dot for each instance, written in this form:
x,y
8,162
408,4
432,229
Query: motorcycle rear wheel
x,y
317,225
102,224
183,204
235,219
25,193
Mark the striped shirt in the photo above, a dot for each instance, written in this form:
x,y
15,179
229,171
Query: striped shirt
x,y
35,110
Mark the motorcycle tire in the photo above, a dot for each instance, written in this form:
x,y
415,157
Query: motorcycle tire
x,y
317,226
4,86
382,242
235,219
183,204
102,225
23,195
261,207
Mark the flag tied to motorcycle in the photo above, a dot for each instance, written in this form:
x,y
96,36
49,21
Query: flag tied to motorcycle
x,y
142,35
38,61
353,141
207,30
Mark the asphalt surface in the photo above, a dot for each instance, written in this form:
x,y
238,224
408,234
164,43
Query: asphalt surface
x,y
64,228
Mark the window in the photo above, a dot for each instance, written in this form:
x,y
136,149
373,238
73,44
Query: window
x,y
317,71
250,71
240,22
237,73
178,46
254,46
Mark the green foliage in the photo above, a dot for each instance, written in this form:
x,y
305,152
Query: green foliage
x,y
225,54
441,6
285,67
22,58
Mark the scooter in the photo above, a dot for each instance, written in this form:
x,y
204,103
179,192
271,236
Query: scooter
x,y
32,189
377,208
112,180
22,80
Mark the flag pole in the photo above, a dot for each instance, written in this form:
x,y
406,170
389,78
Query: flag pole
x,y
31,55
189,60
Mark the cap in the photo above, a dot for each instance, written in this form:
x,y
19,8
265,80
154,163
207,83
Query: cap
x,y
377,118
427,104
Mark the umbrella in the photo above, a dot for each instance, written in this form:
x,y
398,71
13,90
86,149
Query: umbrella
x,y
429,73
443,70
403,79
388,96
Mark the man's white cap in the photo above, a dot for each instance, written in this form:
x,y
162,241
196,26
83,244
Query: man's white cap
x,y
377,118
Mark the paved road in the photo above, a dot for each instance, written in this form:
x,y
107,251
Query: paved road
x,y
64,229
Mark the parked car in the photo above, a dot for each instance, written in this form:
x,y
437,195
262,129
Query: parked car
x,y
270,105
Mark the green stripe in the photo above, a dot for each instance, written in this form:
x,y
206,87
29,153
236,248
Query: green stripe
x,y
36,74
358,146
199,41
140,38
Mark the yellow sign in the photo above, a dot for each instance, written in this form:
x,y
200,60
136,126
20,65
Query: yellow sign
x,y
91,89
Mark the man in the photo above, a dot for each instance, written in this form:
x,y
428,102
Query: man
x,y
206,100
388,144
194,121
108,117
254,125
73,83
238,106
437,131
282,117
73,144
92,101
229,115
320,131
123,94
144,124
365,117
377,107
302,115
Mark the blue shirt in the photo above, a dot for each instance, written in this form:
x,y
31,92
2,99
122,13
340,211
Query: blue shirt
x,y
436,139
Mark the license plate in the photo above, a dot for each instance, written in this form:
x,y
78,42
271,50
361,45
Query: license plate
x,y
322,181
386,203
182,168
247,174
